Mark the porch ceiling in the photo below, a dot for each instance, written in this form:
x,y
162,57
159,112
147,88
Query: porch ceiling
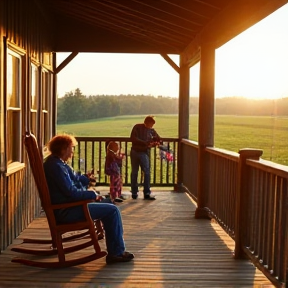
x,y
149,26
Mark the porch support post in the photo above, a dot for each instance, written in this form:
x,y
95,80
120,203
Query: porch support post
x,y
242,198
183,123
205,124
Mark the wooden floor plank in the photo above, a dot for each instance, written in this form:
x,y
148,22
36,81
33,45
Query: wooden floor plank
x,y
171,247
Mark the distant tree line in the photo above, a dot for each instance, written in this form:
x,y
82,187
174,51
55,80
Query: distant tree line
x,y
75,106
252,107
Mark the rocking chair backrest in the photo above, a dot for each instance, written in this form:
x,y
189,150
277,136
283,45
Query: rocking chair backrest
x,y
36,164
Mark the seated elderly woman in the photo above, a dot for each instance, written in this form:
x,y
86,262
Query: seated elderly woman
x,y
63,189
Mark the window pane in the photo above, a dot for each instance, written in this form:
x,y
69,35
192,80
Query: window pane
x,y
13,136
14,131
46,106
46,90
46,128
34,122
34,87
34,97
13,81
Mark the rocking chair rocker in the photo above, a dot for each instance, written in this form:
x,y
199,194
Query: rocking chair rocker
x,y
84,230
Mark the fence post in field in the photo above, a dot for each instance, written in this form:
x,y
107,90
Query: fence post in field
x,y
242,198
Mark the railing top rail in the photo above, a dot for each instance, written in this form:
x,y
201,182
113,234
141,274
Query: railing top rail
x,y
106,138
223,153
189,143
270,167
118,138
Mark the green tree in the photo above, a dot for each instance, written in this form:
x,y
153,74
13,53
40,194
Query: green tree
x,y
72,107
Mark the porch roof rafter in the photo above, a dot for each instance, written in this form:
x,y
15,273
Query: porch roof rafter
x,y
161,27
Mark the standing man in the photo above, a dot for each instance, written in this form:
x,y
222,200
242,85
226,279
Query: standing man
x,y
143,137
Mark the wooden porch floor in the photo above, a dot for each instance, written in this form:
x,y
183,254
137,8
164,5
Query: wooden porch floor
x,y
171,247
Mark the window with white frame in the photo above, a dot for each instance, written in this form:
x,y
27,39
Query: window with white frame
x,y
14,95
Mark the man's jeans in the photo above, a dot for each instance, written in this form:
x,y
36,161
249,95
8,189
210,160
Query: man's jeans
x,y
140,159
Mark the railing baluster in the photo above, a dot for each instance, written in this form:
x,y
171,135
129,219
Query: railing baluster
x,y
94,156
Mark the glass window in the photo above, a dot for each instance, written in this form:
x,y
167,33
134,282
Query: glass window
x,y
34,97
46,106
14,130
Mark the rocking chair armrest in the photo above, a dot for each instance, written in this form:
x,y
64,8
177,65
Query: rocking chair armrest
x,y
71,204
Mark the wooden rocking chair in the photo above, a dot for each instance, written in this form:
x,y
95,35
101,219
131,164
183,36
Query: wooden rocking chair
x,y
84,231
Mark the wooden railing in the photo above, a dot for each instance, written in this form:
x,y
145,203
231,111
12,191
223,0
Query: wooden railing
x,y
91,151
221,185
248,197
190,166
264,217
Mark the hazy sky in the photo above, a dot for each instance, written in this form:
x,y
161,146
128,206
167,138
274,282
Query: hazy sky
x,y
254,65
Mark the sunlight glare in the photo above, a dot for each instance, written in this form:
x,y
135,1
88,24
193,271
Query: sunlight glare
x,y
255,63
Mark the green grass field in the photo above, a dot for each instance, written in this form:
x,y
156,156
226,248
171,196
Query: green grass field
x,y
231,132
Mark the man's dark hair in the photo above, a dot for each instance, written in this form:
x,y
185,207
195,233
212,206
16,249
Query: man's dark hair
x,y
149,120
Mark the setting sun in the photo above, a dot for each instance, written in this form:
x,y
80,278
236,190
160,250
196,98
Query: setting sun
x,y
255,64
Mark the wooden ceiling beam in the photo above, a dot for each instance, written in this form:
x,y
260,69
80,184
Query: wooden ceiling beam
x,y
66,62
171,62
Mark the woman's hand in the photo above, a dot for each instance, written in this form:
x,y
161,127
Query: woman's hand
x,y
98,198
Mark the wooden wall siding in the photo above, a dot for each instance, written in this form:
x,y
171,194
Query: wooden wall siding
x,y
1,98
28,27
1,126
13,204
9,207
24,25
2,218
31,202
19,205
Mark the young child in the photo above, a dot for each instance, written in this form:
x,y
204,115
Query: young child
x,y
113,163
